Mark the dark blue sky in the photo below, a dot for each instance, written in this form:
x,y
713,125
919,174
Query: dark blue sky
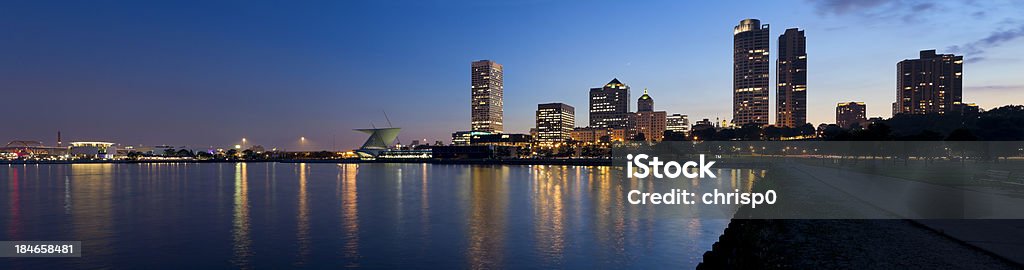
x,y
212,72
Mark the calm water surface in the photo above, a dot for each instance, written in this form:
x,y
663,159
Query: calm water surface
x,y
277,215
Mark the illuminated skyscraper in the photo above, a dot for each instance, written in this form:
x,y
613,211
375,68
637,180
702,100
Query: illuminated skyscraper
x,y
487,92
750,73
931,84
849,113
791,77
609,105
555,122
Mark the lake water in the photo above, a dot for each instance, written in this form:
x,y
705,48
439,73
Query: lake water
x,y
281,215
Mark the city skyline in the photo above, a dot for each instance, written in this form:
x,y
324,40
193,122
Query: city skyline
x,y
178,84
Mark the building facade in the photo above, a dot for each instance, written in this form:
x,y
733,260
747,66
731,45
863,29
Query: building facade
x,y
646,121
930,84
555,122
678,123
462,138
504,139
595,135
609,105
93,150
850,113
791,79
750,73
487,94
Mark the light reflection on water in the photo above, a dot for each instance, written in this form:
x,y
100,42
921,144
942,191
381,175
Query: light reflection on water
x,y
242,241
275,215
303,234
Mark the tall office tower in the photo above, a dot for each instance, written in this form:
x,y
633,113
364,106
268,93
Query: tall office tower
x,y
487,91
791,106
932,84
677,123
609,105
555,122
750,73
849,113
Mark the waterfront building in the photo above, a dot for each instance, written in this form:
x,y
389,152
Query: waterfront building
x,y
596,135
406,154
555,122
646,121
932,83
474,152
379,141
93,150
487,96
750,73
609,105
503,139
466,137
850,113
678,123
33,149
791,79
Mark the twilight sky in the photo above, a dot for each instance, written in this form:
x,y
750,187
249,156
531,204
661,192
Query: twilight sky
x,y
208,73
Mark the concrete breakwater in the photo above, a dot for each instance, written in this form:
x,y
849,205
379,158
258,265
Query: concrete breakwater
x,y
836,243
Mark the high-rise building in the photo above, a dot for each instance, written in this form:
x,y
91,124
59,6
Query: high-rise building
x,y
487,92
646,121
645,103
609,105
931,84
677,123
849,113
750,73
791,106
555,122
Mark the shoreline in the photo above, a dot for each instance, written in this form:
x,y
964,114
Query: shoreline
x,y
530,161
